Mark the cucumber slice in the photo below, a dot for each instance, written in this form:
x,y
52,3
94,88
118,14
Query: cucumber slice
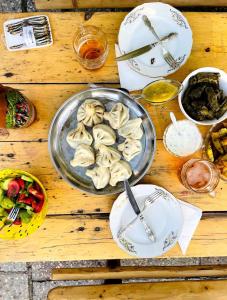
x,y
5,184
25,217
1,194
6,203
26,178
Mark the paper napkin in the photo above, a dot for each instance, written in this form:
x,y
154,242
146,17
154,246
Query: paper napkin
x,y
192,216
129,79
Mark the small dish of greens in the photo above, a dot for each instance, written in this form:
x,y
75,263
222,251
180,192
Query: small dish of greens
x,y
203,99
23,192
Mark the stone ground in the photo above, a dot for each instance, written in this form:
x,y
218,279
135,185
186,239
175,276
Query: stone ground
x,y
31,281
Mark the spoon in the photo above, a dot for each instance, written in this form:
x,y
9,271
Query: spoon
x,y
174,121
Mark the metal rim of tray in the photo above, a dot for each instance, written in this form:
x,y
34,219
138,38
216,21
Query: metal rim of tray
x,y
119,188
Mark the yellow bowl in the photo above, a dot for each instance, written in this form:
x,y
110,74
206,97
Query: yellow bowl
x,y
20,231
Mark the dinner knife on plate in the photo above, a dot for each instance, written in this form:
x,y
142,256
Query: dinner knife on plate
x,y
137,211
145,49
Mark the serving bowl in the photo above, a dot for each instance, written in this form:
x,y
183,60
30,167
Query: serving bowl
x,y
65,120
223,86
20,231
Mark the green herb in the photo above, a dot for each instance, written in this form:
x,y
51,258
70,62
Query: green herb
x,y
13,97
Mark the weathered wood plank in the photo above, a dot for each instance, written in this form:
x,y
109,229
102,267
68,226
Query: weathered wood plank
x,y
70,238
138,272
58,64
69,4
190,290
49,97
34,158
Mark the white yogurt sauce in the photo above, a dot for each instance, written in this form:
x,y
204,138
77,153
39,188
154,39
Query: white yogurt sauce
x,y
182,139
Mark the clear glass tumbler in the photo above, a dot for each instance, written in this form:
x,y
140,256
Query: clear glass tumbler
x,y
91,47
200,176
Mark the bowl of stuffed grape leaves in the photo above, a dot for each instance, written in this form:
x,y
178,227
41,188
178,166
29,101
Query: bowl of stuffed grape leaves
x,y
203,98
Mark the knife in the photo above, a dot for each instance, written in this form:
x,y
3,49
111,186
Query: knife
x,y
137,211
144,49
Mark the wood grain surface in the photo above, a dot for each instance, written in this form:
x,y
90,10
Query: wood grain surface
x,y
88,237
189,290
69,4
47,98
57,64
77,224
138,272
34,158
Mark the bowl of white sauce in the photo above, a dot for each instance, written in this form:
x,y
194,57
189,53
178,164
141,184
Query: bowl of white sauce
x,y
182,138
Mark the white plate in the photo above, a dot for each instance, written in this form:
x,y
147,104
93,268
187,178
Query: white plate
x,y
164,216
223,86
134,34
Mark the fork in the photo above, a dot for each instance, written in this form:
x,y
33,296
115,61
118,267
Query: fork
x,y
11,217
166,54
149,200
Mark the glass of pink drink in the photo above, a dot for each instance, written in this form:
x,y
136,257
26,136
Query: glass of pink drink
x,y
200,176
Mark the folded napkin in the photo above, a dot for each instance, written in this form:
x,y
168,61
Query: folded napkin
x,y
192,216
129,79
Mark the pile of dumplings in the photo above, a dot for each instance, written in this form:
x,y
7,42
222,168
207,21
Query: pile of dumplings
x,y
111,164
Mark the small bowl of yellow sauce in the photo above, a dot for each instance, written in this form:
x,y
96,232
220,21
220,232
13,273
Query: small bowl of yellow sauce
x,y
161,91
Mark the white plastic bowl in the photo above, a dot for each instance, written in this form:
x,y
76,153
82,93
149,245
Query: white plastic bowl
x,y
223,86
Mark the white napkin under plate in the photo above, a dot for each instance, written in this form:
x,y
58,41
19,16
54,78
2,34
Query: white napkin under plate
x,y
192,216
129,79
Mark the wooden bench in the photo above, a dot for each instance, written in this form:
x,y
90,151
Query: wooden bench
x,y
176,290
187,290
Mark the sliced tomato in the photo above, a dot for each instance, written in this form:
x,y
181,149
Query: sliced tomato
x,y
21,183
13,189
24,199
38,187
37,205
36,193
21,196
17,222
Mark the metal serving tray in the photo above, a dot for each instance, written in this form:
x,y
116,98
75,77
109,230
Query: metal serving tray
x,y
65,120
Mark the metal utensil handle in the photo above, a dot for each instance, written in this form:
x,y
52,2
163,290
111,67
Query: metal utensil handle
x,y
148,230
131,197
148,23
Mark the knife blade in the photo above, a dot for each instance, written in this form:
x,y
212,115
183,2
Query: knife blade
x,y
144,49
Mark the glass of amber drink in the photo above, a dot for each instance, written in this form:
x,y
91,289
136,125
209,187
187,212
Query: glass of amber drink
x,y
200,176
91,47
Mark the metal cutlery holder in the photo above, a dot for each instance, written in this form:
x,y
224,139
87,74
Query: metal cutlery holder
x,y
28,33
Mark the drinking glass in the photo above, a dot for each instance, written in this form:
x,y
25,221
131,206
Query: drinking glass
x,y
200,176
91,47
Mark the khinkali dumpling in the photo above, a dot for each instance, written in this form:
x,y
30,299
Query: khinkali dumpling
x,y
79,136
91,112
107,156
132,129
100,176
118,116
103,135
130,148
84,156
119,171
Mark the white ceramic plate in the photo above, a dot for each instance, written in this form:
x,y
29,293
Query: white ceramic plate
x,y
134,34
164,216
223,86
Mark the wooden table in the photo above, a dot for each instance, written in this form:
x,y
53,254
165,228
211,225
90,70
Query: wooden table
x,y
77,225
